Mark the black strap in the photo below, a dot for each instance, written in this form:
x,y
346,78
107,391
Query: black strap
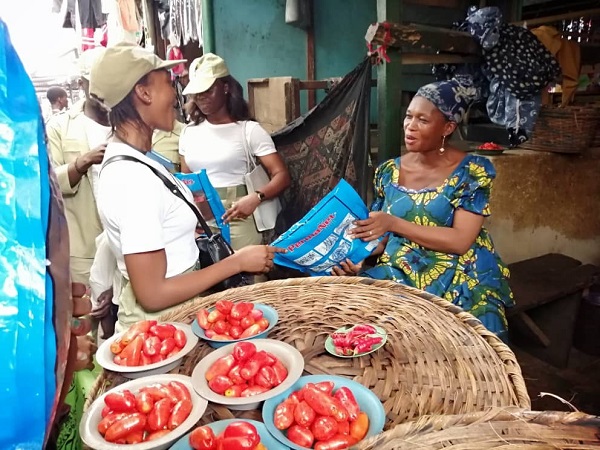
x,y
170,186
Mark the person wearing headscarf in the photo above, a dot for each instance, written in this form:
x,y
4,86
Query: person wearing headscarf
x,y
430,205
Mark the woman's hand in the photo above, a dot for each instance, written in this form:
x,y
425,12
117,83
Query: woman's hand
x,y
243,208
86,348
257,258
378,224
347,268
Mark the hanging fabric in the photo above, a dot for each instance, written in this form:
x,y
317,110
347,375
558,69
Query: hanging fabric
x,y
129,18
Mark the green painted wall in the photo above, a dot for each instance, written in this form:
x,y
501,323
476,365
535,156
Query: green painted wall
x,y
252,36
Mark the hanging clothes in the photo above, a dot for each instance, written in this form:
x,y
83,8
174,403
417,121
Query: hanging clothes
x,y
517,66
90,14
129,18
69,20
568,54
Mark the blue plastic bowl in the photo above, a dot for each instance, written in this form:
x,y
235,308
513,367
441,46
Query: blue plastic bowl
x,y
268,313
366,399
269,441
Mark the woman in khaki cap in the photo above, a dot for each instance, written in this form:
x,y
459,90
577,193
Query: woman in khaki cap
x,y
150,230
217,140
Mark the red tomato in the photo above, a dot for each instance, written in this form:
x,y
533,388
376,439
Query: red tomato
x,y
107,421
181,411
106,411
251,367
163,330
360,426
144,402
156,434
236,390
135,438
256,314
145,359
254,390
203,438
155,392
224,306
133,351
123,401
122,428
336,443
234,375
301,436
158,358
167,346
234,322
221,326
242,429
269,375
283,417
260,380
215,315
180,338
346,398
323,404
241,310
344,428
180,390
151,346
280,372
202,317
236,331
247,322
135,329
253,330
159,416
304,415
116,347
210,333
325,386
220,384
263,324
324,428
243,351
235,443
221,366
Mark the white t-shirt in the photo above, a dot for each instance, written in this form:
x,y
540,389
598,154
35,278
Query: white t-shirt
x,y
141,215
97,135
220,149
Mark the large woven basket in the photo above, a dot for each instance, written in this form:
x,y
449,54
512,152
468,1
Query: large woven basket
x,y
437,360
569,129
497,428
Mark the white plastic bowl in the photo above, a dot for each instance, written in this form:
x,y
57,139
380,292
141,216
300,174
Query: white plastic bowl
x,y
104,356
88,427
290,357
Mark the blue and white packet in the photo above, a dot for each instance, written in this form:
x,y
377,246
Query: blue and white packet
x,y
320,240
166,162
207,199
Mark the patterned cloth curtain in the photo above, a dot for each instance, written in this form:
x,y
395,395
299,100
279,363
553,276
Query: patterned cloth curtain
x,y
328,143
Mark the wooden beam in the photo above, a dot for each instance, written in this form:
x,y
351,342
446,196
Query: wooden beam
x,y
559,17
311,57
389,89
427,58
421,38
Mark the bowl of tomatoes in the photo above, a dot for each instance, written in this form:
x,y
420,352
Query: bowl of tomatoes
x,y
489,149
144,414
244,374
230,433
228,322
147,348
322,412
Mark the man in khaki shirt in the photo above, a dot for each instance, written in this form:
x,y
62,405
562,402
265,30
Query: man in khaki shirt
x,y
166,143
77,148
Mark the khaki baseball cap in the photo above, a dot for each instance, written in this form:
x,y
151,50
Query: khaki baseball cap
x,y
87,60
116,72
204,71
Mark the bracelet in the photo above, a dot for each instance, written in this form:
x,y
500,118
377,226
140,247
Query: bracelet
x,y
77,168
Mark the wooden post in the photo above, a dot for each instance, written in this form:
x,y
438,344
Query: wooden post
x,y
389,88
310,56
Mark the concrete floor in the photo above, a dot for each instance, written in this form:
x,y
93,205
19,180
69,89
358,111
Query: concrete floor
x,y
578,383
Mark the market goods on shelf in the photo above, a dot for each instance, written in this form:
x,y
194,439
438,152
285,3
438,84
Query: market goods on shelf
x,y
230,321
245,372
238,435
318,417
151,413
147,342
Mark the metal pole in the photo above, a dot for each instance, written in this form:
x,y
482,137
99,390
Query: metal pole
x,y
208,27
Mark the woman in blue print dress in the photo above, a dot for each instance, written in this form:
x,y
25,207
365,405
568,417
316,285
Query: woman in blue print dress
x,y
431,204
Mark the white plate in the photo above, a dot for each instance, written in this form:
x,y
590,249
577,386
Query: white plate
x,y
105,357
291,358
88,427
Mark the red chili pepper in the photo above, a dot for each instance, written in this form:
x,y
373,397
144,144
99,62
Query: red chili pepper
x,y
367,344
368,329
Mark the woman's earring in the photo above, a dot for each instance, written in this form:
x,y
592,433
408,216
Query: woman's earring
x,y
442,149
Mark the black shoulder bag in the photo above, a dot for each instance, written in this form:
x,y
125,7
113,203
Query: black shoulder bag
x,y
211,246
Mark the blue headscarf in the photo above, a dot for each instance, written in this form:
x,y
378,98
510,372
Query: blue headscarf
x,y
452,97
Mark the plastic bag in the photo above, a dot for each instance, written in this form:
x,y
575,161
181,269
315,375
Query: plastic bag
x,y
29,386
207,199
320,240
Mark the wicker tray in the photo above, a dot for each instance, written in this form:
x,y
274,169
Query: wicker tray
x,y
438,359
569,129
498,428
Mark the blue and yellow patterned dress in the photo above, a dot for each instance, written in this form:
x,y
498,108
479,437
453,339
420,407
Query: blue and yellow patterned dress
x,y
476,281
